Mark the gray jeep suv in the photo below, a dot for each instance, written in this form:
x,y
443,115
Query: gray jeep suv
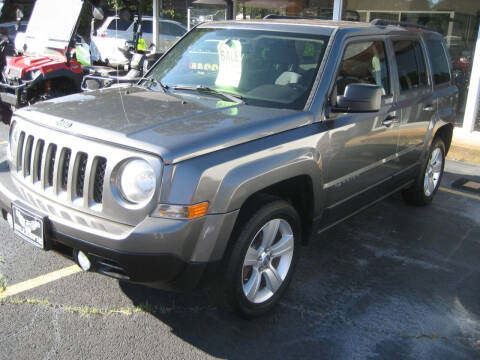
x,y
242,142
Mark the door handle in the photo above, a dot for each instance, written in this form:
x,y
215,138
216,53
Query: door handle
x,y
429,108
388,121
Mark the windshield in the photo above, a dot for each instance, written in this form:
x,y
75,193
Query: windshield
x,y
51,25
264,68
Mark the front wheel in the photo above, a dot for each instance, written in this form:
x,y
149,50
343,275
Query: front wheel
x,y
261,262
428,182
5,114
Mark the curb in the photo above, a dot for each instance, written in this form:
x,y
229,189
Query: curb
x,y
465,147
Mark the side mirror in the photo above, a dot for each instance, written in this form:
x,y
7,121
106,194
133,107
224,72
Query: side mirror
x,y
98,14
359,98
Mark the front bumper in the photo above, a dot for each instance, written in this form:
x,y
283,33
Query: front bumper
x,y
175,255
12,94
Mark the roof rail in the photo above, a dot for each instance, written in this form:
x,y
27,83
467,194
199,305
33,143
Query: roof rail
x,y
383,22
274,16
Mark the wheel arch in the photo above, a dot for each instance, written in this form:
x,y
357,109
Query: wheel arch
x,y
303,201
445,132
64,75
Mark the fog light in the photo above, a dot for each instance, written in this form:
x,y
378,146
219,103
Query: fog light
x,y
83,261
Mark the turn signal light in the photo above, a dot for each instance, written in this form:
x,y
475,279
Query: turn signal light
x,y
197,210
182,211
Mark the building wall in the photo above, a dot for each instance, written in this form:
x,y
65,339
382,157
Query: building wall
x,y
466,6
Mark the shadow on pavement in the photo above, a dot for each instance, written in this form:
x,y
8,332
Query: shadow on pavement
x,y
394,282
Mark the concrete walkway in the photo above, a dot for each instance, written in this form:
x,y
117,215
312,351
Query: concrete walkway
x,y
465,146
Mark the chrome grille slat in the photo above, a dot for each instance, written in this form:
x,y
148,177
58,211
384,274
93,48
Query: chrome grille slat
x,y
37,160
19,152
69,170
57,172
88,183
27,156
44,165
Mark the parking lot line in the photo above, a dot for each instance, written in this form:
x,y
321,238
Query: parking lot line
x,y
39,281
461,193
3,142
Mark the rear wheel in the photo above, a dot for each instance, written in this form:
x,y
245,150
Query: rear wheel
x,y
261,262
428,182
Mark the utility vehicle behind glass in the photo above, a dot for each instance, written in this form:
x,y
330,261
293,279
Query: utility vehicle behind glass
x,y
45,68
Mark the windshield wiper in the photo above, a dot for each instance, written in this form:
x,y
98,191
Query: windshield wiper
x,y
208,90
153,81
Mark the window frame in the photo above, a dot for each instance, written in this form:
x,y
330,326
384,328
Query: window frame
x,y
426,59
447,57
387,98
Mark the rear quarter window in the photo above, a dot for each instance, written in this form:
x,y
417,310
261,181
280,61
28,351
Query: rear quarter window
x,y
438,58
411,65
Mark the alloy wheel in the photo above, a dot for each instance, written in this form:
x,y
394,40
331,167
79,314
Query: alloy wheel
x,y
268,260
433,171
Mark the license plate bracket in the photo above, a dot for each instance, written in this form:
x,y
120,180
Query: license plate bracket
x,y
29,226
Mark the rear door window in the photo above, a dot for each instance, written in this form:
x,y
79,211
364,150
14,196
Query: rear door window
x,y
438,58
147,26
167,28
164,28
411,65
175,30
119,24
364,62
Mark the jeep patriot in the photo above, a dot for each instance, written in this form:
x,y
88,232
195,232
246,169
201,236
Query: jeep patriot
x,y
243,141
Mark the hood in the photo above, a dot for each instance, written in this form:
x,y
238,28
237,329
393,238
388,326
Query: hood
x,y
172,126
52,25
18,66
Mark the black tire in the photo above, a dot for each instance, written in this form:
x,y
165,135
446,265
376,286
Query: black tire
x,y
5,113
229,292
416,195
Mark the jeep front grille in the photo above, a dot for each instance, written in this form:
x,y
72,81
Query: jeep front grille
x,y
60,170
73,171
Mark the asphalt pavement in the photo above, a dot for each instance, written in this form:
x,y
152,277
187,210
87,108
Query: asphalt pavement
x,y
394,282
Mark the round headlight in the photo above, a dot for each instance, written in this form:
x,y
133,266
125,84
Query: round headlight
x,y
137,181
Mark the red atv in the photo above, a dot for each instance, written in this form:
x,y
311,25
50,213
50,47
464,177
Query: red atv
x,y
46,68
